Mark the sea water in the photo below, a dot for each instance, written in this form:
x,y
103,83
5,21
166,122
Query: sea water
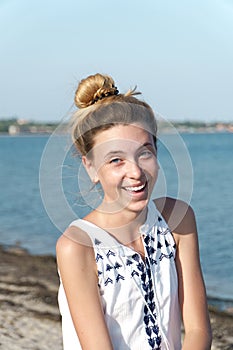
x,y
43,187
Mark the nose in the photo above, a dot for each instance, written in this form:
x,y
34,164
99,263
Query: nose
x,y
133,171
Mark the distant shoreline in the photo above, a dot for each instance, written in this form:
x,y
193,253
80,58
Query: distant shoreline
x,y
16,127
160,132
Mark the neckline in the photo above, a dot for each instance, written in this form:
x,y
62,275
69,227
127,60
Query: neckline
x,y
111,240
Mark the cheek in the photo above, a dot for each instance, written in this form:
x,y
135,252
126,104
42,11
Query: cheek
x,y
109,176
152,167
153,171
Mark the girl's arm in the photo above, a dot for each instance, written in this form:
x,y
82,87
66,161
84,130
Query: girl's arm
x,y
77,267
192,294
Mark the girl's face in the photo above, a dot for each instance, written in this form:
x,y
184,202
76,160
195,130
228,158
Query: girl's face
x,y
124,162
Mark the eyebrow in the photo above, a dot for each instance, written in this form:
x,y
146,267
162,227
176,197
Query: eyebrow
x,y
113,153
120,152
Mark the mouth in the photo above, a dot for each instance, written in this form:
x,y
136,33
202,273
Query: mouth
x,y
136,189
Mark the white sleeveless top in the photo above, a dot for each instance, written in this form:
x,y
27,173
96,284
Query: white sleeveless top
x,y
139,298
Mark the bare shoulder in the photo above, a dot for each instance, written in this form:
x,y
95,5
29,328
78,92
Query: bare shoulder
x,y
74,246
74,237
178,214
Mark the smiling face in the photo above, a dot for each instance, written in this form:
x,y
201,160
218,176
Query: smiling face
x,y
124,161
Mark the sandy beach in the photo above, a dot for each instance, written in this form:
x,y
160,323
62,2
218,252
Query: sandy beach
x,y
29,315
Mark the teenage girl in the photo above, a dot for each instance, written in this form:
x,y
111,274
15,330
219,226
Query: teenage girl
x,y
130,269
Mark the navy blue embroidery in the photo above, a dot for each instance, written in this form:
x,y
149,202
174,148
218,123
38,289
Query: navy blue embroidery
x,y
108,280
164,233
150,250
144,271
119,277
110,252
99,273
128,262
148,318
136,257
147,239
153,262
134,273
143,277
97,242
108,267
98,256
140,266
117,265
148,268
151,327
168,256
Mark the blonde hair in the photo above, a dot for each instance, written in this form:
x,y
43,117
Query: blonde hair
x,y
101,107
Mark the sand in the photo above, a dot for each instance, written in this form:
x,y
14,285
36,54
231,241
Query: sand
x,y
29,314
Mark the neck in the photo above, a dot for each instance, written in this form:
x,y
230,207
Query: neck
x,y
124,225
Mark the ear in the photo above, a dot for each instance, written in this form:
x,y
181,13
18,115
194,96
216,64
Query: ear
x,y
88,165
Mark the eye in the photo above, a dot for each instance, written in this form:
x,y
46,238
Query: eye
x,y
115,161
145,154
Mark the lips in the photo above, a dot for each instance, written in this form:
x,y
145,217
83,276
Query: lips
x,y
135,189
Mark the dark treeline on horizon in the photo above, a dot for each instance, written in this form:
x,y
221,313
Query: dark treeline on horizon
x,y
18,125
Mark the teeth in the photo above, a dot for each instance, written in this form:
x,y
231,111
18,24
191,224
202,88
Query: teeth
x,y
135,188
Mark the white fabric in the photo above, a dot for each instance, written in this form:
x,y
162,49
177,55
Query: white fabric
x,y
122,293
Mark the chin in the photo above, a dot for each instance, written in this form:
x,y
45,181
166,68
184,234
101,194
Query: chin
x,y
134,204
137,206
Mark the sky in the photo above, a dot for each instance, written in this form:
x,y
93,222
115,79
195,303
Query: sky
x,y
178,53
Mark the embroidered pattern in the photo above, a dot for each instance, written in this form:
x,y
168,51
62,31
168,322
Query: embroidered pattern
x,y
151,323
113,271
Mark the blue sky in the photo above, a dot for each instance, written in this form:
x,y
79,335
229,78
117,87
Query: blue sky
x,y
179,54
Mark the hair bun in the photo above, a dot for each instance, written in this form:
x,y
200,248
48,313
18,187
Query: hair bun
x,y
94,88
